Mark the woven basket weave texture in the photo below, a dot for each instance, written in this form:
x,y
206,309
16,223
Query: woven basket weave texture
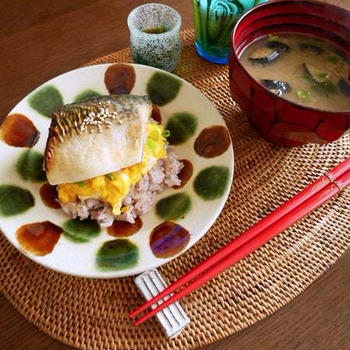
x,y
92,314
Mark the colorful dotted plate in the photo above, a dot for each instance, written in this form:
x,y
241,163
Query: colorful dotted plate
x,y
46,235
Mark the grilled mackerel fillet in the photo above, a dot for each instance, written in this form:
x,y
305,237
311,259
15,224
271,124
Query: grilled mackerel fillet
x,y
96,137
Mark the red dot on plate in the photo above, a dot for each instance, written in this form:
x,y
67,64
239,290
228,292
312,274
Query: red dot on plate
x,y
120,78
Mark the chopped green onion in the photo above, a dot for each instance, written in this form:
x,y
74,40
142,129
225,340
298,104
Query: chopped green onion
x,y
333,59
324,75
150,143
272,37
303,94
154,135
328,86
316,43
110,176
166,133
325,87
81,183
307,76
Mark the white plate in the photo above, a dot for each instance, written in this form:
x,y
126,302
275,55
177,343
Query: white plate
x,y
80,258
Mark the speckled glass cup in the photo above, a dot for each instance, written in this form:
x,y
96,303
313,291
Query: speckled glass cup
x,y
155,36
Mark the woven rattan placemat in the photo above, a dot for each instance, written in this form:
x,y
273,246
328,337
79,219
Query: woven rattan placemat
x,y
92,314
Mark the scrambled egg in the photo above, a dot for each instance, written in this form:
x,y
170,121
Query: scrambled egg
x,y
115,186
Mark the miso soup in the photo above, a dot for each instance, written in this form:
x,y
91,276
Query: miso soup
x,y
300,69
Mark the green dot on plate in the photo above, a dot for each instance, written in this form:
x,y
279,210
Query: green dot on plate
x,y
81,230
86,95
174,207
163,88
14,200
117,254
181,126
210,183
46,100
30,166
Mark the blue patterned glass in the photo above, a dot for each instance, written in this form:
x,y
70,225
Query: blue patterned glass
x,y
214,21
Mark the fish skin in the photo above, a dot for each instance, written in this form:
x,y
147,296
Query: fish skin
x,y
74,118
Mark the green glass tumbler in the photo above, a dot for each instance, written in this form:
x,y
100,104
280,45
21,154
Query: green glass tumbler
x,y
213,23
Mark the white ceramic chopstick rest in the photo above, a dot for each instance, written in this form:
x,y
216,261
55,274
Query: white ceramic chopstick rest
x,y
173,318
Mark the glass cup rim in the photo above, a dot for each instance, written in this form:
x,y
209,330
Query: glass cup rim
x,y
133,27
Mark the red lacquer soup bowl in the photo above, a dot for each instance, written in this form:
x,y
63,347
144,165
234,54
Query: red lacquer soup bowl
x,y
278,120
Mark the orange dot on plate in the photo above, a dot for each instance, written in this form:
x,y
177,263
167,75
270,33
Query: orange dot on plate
x,y
49,196
124,229
212,141
39,238
120,78
185,173
19,131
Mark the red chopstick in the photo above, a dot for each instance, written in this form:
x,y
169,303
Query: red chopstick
x,y
297,207
252,232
